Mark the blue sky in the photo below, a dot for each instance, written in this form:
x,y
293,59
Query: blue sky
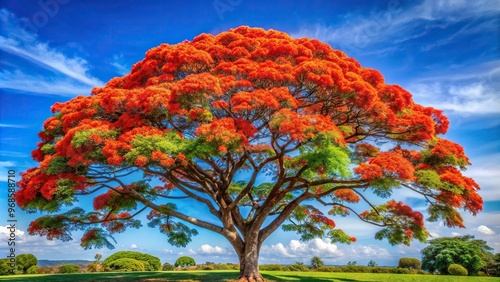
x,y
446,53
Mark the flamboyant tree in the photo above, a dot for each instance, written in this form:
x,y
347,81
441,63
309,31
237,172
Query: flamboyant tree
x,y
259,129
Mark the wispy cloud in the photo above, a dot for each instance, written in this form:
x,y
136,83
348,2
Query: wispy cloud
x,y
38,84
23,44
463,89
12,125
395,24
4,166
471,98
120,66
13,154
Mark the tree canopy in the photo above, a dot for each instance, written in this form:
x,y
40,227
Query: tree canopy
x,y
259,130
148,262
463,250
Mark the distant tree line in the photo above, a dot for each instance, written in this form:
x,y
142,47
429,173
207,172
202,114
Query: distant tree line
x,y
461,255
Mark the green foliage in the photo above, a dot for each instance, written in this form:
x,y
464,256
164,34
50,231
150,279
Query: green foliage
x,y
32,270
98,257
329,269
149,262
25,261
184,261
170,143
383,186
69,268
457,269
409,263
81,137
4,267
325,153
316,262
178,233
127,264
167,267
99,240
463,250
339,236
372,263
298,266
492,262
272,267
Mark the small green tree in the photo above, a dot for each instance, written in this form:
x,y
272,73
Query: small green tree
x,y
409,263
492,262
463,250
316,262
457,269
25,261
352,263
127,264
150,263
372,263
167,267
98,257
184,261
69,268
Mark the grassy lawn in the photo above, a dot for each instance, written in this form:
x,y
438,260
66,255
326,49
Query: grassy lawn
x,y
216,276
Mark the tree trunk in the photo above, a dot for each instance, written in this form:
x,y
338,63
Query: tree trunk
x,y
249,261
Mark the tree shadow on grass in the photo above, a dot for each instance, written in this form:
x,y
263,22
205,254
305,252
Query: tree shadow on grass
x,y
179,276
288,277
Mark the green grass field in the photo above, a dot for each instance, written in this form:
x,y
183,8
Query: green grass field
x,y
217,276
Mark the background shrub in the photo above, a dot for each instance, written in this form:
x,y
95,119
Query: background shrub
x,y
32,270
329,269
409,263
271,267
69,268
94,267
457,269
149,262
4,267
167,267
25,261
127,264
298,267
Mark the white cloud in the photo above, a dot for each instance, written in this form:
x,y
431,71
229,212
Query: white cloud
x,y
465,98
7,164
133,246
485,230
121,67
23,44
13,154
5,232
297,249
209,250
4,166
12,125
20,81
455,234
395,24
485,171
167,251
434,235
366,252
